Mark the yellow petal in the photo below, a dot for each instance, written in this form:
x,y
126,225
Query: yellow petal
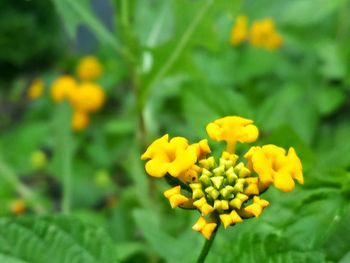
x,y
177,200
185,160
251,134
262,202
214,131
199,225
254,209
226,220
235,218
156,146
251,189
178,143
297,169
172,191
283,181
157,167
208,230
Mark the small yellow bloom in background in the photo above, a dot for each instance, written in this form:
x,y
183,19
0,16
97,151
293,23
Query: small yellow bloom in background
x,y
36,89
88,97
232,129
89,68
18,207
239,32
63,88
263,34
272,165
224,190
80,120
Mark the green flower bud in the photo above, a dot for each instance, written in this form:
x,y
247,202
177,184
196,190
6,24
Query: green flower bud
x,y
227,192
217,181
212,192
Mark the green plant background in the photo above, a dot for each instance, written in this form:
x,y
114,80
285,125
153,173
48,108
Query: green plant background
x,y
169,68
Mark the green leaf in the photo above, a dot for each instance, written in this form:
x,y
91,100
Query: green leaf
x,y
53,239
337,244
203,103
77,13
302,13
183,248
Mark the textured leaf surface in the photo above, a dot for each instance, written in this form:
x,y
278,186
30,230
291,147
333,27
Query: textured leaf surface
x,y
53,239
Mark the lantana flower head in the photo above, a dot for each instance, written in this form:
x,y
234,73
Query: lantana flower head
x,y
223,190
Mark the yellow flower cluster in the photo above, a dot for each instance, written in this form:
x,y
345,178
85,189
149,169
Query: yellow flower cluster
x,y
262,33
226,190
85,97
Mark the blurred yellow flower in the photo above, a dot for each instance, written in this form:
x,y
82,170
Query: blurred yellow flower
x,y
232,129
80,120
272,165
62,88
263,34
89,68
239,32
173,157
18,207
36,89
88,97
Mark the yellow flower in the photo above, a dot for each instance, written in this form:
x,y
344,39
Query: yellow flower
x,y
173,157
239,31
80,120
231,218
263,34
222,189
63,87
36,89
204,227
175,197
272,165
88,97
232,129
89,68
256,208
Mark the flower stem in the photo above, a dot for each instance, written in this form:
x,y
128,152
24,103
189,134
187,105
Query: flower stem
x,y
206,247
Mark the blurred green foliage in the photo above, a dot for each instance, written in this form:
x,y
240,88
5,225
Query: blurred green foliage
x,y
30,37
169,68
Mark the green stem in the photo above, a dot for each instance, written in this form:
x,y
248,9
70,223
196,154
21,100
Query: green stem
x,y
67,180
206,247
25,192
66,156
